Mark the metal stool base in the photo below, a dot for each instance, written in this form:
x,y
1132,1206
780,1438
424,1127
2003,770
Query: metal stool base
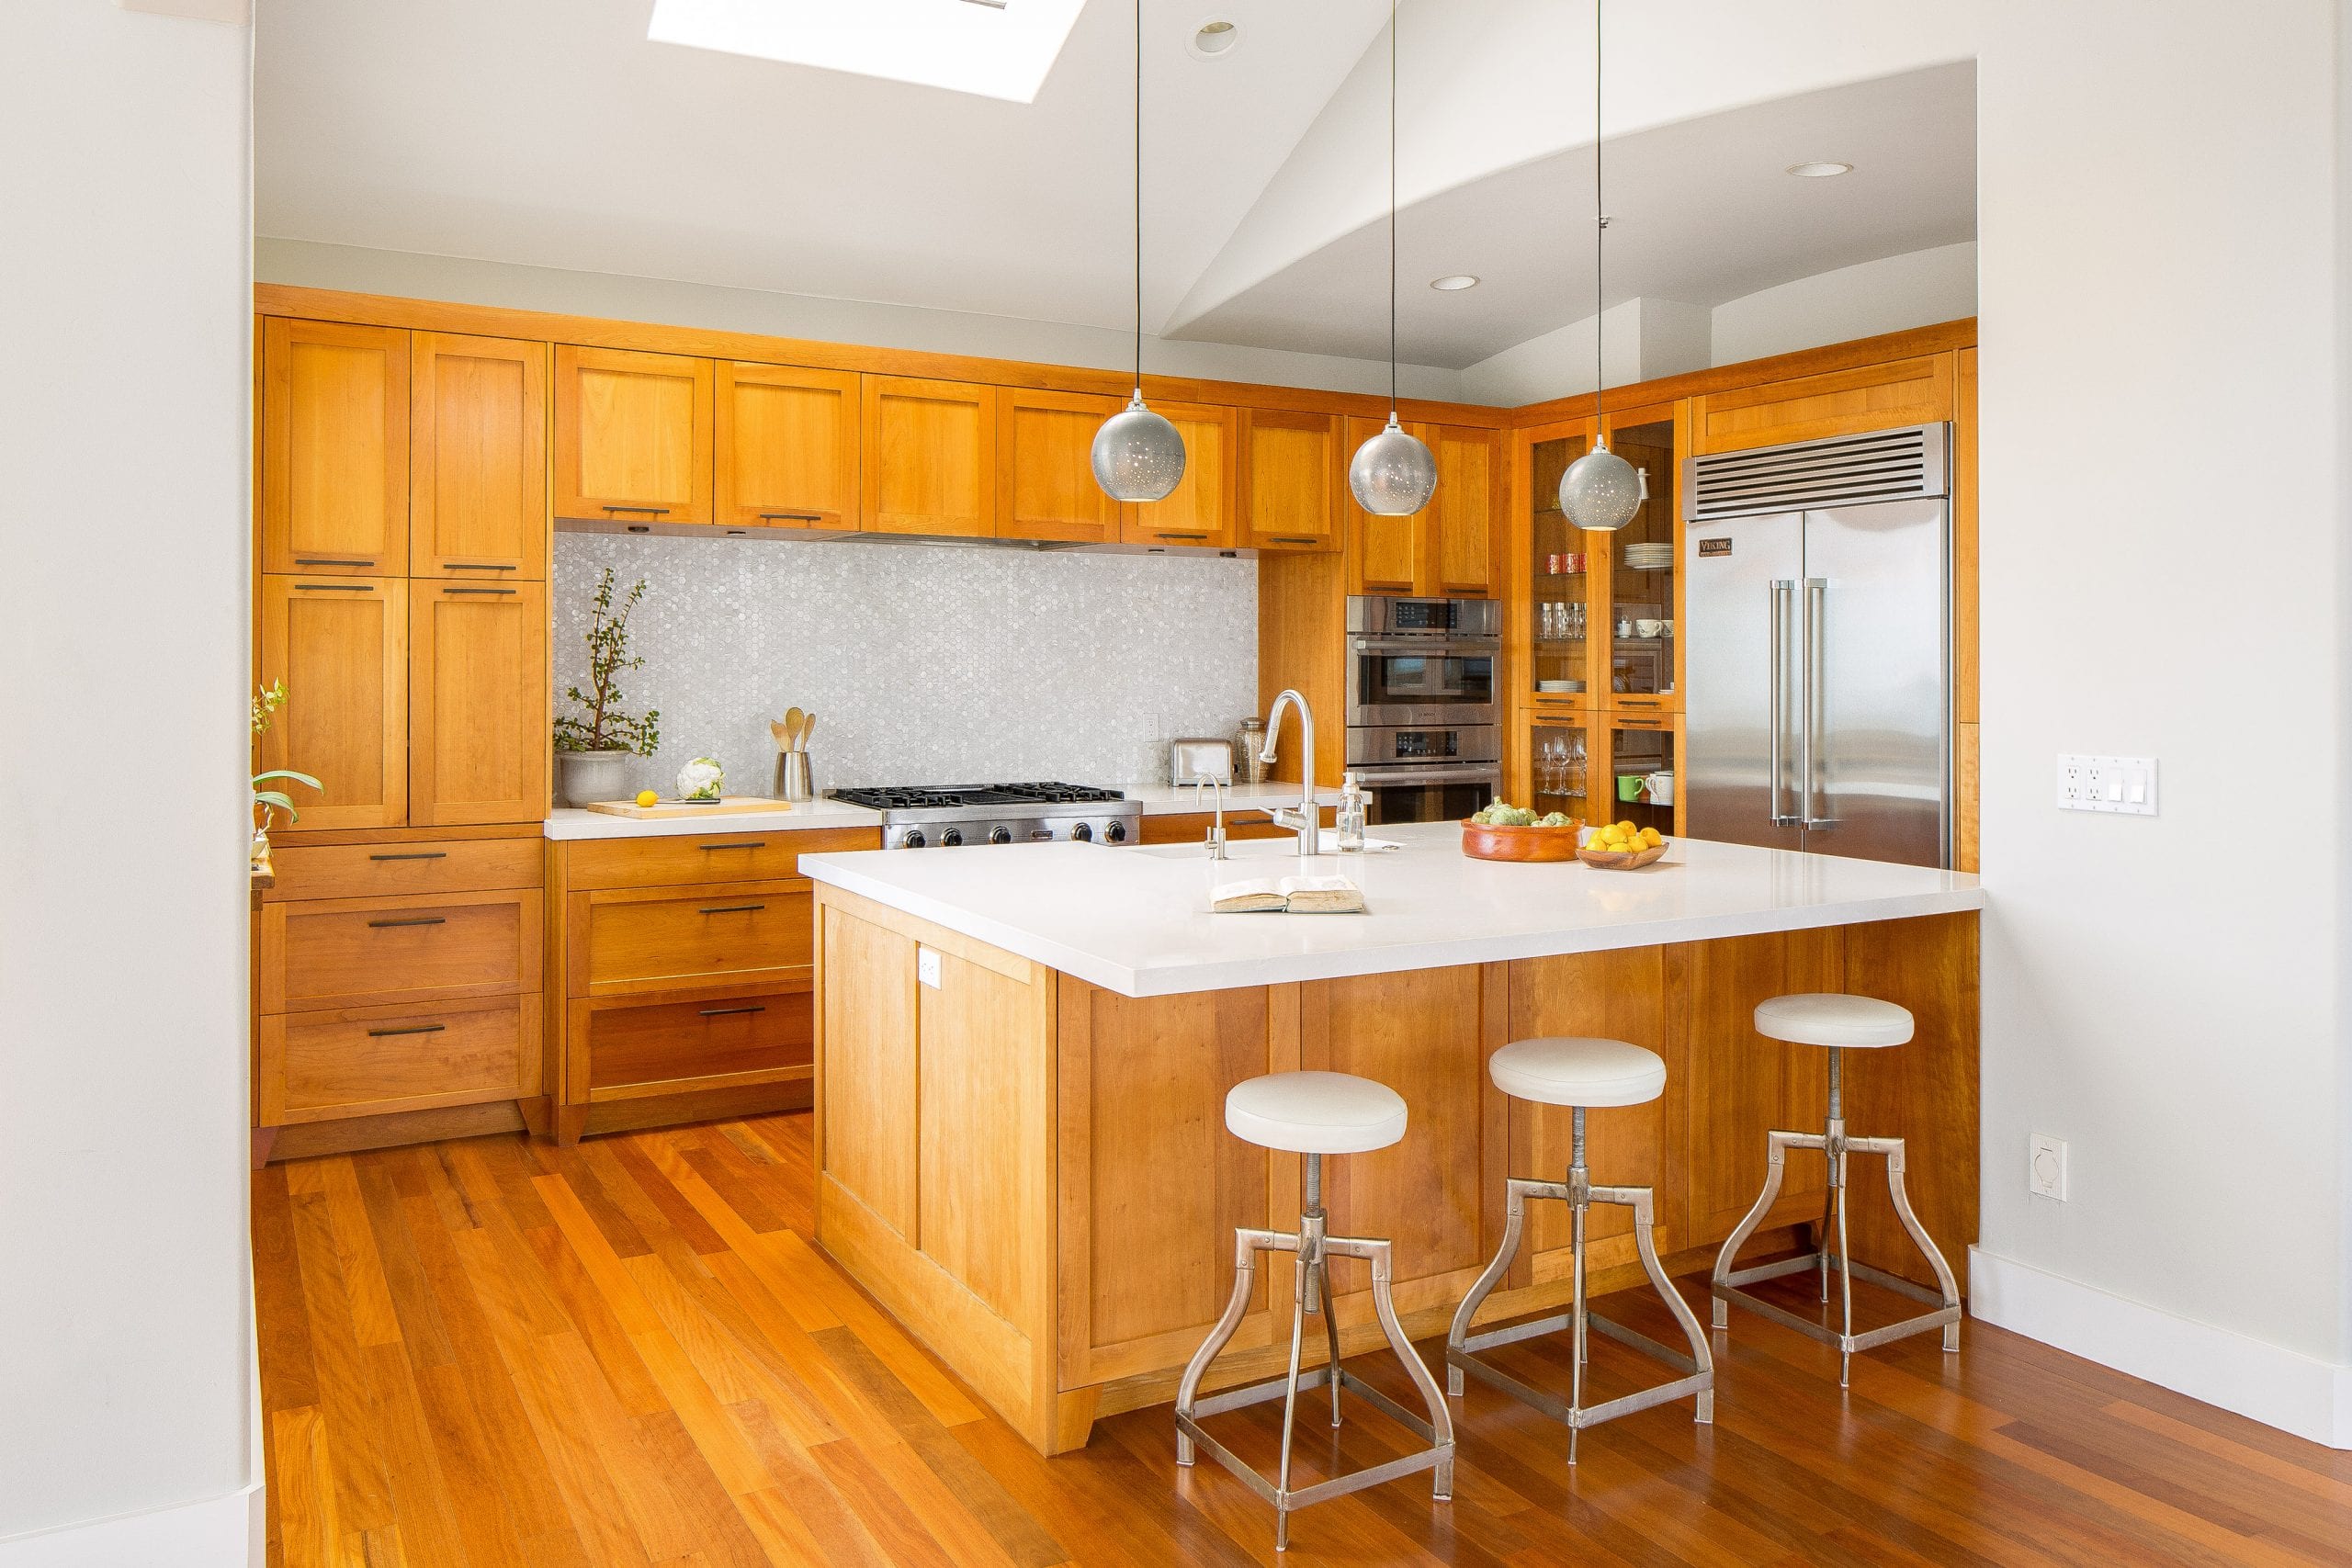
x,y
1312,1293
1462,1347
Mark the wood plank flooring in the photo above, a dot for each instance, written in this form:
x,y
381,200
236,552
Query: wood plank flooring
x,y
498,1352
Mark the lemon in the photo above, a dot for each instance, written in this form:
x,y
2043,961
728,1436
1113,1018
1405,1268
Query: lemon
x,y
1625,827
647,797
1652,837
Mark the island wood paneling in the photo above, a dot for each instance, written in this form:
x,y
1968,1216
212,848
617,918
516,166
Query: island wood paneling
x,y
867,1079
1743,1085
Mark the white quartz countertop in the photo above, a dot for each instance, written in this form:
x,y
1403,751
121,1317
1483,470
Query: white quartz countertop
x,y
565,822
1136,920
1168,800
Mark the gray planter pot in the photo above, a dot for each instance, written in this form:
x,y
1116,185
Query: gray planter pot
x,y
583,776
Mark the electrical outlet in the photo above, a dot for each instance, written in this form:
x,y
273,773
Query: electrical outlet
x,y
2126,785
2045,1175
927,967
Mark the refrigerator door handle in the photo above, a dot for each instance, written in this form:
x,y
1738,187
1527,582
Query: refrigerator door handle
x,y
1816,611
1779,592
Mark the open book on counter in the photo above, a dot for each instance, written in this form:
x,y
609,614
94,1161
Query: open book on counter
x,y
1289,895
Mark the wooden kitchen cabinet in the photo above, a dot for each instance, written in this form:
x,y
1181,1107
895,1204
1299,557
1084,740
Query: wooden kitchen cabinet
x,y
1045,467
786,447
326,1065
632,435
1452,547
1813,408
334,448
1383,552
339,645
1294,471
1199,513
928,453
478,457
478,695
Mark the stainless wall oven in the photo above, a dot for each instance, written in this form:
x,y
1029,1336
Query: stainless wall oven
x,y
1424,716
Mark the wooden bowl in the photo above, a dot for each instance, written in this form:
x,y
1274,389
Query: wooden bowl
x,y
1608,861
1532,845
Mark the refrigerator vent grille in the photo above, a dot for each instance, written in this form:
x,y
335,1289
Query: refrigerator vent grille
x,y
1845,470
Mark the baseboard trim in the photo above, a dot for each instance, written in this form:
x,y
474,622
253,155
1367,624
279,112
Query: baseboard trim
x,y
216,1532
2278,1387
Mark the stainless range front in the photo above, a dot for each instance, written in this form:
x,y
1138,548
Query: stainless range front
x,y
949,815
1424,714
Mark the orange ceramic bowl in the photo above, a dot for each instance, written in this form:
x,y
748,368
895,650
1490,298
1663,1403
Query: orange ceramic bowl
x,y
1610,861
1535,845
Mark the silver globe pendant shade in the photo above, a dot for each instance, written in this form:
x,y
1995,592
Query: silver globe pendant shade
x,y
1393,474
1138,456
1601,490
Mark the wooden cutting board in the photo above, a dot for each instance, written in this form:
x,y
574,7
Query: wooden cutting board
x,y
729,805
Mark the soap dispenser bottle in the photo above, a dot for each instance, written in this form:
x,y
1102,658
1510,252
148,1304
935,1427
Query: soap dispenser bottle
x,y
1352,814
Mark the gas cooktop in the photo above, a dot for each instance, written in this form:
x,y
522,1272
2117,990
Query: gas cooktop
x,y
938,798
946,816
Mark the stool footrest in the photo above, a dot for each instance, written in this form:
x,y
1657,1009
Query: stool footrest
x,y
1695,1380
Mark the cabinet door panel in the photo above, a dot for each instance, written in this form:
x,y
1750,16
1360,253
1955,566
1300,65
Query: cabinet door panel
x,y
675,1043
1199,511
632,435
478,686
1462,554
314,1066
1292,473
1743,1085
1384,552
929,450
1045,467
339,645
334,449
478,470
786,453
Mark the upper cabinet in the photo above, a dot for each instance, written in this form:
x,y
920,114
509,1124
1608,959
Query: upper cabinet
x,y
1383,552
928,451
477,703
478,457
1293,470
1201,511
1452,547
632,435
1045,467
335,439
1811,407
787,448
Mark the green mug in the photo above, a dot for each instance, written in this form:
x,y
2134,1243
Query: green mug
x,y
1628,787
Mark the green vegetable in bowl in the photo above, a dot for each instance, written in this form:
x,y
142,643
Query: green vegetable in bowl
x,y
1504,816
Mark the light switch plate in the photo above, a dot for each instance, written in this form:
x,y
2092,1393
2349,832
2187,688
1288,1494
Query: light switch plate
x,y
927,967
2045,1174
2125,784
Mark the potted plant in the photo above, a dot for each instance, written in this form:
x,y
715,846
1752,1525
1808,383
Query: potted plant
x,y
267,699
592,744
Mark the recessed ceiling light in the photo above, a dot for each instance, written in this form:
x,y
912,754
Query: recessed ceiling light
x,y
990,50
1820,171
1453,280
1214,38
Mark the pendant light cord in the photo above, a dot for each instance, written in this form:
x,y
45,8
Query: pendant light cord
x,y
1599,226
1138,190
1392,211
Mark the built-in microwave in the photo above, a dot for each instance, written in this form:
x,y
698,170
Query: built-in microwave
x,y
1424,662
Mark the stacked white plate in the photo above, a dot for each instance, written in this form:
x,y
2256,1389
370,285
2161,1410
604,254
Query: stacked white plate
x,y
1649,558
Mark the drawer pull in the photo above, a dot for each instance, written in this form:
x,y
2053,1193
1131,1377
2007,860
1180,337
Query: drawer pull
x,y
407,1029
653,511
1184,536
1280,539
330,560
453,591
732,908
479,566
754,844
723,1012
790,518
417,920
335,588
416,855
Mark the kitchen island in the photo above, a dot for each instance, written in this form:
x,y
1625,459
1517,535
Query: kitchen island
x,y
1023,1052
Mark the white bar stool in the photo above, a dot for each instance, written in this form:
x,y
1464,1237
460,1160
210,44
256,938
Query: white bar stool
x,y
1841,1024
1580,1074
1314,1114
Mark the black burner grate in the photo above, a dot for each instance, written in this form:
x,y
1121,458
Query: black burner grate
x,y
942,797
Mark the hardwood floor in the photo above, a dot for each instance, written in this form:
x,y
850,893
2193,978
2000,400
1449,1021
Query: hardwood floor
x,y
501,1352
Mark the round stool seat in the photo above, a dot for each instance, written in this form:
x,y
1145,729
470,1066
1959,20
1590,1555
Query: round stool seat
x,y
1832,1017
1314,1114
1566,1071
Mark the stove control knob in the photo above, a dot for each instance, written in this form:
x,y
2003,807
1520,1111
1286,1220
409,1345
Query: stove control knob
x,y
950,839
913,840
1082,833
1115,833
999,835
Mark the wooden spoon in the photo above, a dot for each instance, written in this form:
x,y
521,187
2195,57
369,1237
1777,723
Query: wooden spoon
x,y
787,733
807,723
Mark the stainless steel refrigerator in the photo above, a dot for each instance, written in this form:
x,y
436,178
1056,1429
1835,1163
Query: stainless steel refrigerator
x,y
1818,648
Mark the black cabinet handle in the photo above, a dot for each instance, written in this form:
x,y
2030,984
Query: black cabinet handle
x,y
791,517
723,1012
1184,536
454,592
330,560
733,908
416,854
652,511
335,588
1279,539
479,566
754,844
407,1029
419,920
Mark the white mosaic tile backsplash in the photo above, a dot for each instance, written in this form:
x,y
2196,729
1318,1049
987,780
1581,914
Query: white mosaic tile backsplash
x,y
924,665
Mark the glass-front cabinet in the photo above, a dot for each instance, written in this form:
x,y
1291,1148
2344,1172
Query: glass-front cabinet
x,y
1643,776
1562,575
1644,577
1560,763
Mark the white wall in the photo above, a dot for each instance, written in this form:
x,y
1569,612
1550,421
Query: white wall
x,y
2162,403
125,1347
1915,289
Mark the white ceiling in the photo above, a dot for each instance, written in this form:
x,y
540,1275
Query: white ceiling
x,y
550,132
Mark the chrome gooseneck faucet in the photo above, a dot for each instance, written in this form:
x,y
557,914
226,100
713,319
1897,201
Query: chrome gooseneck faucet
x,y
1306,818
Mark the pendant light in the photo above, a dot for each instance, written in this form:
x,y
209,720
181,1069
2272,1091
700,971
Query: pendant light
x,y
1138,456
1392,474
1601,490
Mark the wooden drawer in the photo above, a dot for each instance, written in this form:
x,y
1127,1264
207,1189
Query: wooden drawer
x,y
705,857
378,871
369,1061
1192,827
682,1045
635,940
347,953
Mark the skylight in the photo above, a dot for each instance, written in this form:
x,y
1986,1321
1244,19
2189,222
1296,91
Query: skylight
x,y
997,49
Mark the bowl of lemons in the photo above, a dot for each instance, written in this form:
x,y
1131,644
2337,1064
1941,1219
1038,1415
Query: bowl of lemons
x,y
1621,846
